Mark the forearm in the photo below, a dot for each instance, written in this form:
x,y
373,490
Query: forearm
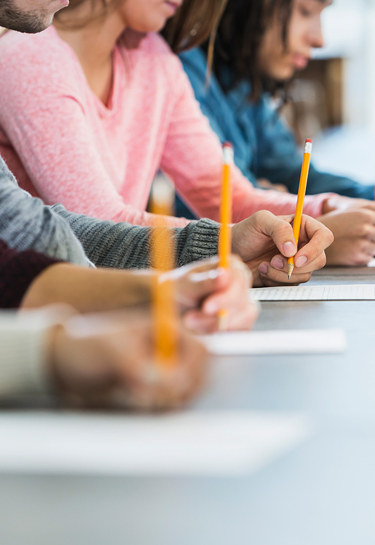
x,y
88,290
125,246
27,224
247,203
320,182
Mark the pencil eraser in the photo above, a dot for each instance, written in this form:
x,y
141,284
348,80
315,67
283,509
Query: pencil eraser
x,y
228,153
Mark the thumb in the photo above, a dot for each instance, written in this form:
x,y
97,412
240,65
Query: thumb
x,y
202,284
281,232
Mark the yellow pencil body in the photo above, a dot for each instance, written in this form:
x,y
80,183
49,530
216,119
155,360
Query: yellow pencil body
x,y
225,241
165,315
300,199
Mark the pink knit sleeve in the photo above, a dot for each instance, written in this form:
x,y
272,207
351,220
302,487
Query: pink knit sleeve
x,y
193,159
52,139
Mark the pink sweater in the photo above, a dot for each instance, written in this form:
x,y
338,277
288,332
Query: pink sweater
x,y
65,146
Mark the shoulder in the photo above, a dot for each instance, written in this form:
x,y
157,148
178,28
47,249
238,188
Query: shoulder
x,y
42,57
150,50
194,60
155,44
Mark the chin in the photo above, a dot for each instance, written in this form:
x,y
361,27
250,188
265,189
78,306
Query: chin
x,y
284,75
151,26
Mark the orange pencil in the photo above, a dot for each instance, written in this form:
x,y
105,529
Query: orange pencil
x,y
300,199
165,313
225,242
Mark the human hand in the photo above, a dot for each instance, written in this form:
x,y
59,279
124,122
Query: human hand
x,y
266,184
354,232
265,242
340,203
107,361
203,289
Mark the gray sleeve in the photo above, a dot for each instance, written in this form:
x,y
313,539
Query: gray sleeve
x,y
125,246
27,224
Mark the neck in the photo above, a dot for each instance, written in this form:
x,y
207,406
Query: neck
x,y
94,45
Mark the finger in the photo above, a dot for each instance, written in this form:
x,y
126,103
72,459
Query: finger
x,y
363,253
280,263
199,323
279,229
187,380
369,206
232,298
266,282
205,280
281,277
367,231
245,319
315,238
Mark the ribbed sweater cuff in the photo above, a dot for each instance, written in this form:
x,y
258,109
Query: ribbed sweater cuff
x,y
204,239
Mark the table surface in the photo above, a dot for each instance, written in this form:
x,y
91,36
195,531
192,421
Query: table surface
x,y
319,493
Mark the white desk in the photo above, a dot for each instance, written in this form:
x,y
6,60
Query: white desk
x,y
319,493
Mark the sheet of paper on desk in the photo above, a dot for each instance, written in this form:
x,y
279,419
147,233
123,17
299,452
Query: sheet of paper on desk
x,y
192,443
354,292
299,341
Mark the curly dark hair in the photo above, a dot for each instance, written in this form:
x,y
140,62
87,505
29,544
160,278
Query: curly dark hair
x,y
239,37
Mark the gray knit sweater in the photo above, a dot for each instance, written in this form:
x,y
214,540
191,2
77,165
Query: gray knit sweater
x,y
26,223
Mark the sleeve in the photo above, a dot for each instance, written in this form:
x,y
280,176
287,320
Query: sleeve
x,y
279,160
23,358
193,159
27,224
17,272
51,121
125,246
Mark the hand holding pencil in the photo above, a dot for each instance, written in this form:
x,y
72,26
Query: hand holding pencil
x,y
265,242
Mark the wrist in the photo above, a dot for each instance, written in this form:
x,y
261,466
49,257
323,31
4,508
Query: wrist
x,y
235,248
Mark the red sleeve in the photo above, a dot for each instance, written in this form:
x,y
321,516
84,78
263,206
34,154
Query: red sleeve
x,y
17,272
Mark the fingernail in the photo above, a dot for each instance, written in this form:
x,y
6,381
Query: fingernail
x,y
277,262
263,269
289,248
190,322
210,308
300,261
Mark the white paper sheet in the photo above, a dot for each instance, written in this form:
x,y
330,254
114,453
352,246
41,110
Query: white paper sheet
x,y
354,292
215,443
299,341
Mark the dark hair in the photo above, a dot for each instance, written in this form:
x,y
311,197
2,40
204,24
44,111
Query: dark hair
x,y
239,37
194,22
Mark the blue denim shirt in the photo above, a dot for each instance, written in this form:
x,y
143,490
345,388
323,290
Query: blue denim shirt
x,y
264,146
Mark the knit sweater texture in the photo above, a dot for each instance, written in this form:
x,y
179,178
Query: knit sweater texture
x,y
27,224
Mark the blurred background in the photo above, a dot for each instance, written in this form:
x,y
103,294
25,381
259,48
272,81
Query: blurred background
x,y
334,98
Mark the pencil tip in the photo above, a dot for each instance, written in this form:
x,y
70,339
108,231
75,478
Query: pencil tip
x,y
290,270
